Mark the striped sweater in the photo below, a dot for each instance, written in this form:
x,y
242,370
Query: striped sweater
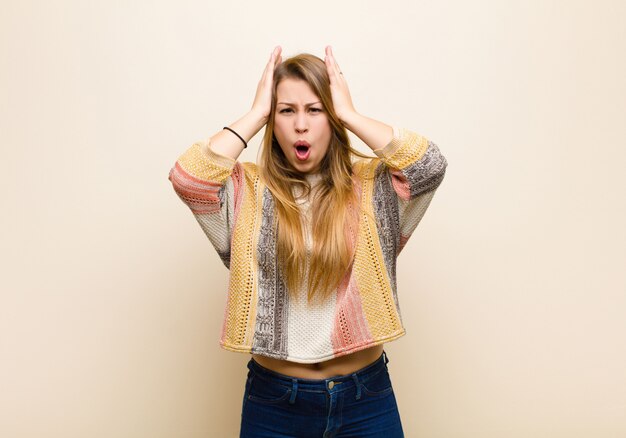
x,y
236,212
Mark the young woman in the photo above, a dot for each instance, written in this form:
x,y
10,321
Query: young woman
x,y
311,237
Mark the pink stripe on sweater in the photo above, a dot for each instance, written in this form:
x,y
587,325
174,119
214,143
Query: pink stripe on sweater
x,y
201,196
403,240
400,184
349,328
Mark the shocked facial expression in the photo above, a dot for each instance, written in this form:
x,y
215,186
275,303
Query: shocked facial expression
x,y
301,125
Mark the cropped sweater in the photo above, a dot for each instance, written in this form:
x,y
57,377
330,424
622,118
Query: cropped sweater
x,y
236,211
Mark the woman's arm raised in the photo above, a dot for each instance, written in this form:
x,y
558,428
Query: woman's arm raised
x,y
415,165
228,144
207,177
375,134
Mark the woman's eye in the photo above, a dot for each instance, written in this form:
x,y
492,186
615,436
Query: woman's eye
x,y
289,110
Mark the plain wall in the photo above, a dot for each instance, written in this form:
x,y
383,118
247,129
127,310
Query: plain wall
x,y
512,288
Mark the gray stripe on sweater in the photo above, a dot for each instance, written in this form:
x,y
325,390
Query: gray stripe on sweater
x,y
388,216
270,334
427,173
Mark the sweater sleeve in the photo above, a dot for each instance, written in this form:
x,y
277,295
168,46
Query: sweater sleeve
x,y
208,183
416,168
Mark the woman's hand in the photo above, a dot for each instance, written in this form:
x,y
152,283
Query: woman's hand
x,y
263,100
230,145
339,88
375,134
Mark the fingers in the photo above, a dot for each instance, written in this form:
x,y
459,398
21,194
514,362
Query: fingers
x,y
275,59
276,53
331,63
263,97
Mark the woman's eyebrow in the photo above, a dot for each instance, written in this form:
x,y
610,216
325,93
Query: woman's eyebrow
x,y
293,104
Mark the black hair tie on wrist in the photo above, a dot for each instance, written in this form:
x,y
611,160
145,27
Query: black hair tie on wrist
x,y
245,145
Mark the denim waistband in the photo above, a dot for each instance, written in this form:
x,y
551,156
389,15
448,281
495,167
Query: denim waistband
x,y
322,385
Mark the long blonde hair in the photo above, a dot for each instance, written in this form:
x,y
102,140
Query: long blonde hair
x,y
334,206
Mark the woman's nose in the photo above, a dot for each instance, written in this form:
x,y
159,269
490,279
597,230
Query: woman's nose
x,y
301,123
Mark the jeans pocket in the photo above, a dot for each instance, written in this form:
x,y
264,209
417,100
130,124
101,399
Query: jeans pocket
x,y
378,384
267,392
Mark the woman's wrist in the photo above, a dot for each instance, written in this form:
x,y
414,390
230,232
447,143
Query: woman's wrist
x,y
373,133
229,144
249,124
350,120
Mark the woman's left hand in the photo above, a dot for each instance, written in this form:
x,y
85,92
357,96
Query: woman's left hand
x,y
338,87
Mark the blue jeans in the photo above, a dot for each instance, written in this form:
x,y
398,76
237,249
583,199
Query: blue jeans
x,y
360,405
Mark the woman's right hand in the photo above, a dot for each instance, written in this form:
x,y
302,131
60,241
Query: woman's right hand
x,y
263,100
230,145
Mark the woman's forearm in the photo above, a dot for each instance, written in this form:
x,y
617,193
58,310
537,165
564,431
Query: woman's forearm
x,y
228,144
375,134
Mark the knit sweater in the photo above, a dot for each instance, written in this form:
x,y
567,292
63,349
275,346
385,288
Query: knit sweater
x,y
236,211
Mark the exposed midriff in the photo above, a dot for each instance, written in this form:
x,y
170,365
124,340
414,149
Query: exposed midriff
x,y
337,366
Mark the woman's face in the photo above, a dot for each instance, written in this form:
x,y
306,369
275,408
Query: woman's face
x,y
301,125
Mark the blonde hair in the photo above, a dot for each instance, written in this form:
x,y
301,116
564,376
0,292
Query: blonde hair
x,y
334,206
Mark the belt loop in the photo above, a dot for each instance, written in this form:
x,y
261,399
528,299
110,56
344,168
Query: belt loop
x,y
294,391
358,386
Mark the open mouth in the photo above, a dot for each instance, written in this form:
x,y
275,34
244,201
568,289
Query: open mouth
x,y
302,151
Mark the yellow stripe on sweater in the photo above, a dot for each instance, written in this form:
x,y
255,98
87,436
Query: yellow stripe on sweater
x,y
203,165
242,302
369,268
412,149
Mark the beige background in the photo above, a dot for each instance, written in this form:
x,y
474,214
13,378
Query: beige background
x,y
513,287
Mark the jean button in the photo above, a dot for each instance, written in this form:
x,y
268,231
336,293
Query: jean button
x,y
331,385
